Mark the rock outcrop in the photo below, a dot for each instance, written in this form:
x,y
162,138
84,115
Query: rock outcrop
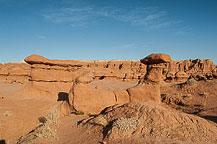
x,y
148,87
149,122
197,69
41,69
92,96
94,99
68,70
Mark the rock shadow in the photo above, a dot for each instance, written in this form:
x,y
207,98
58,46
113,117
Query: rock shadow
x,y
211,118
63,96
2,142
107,129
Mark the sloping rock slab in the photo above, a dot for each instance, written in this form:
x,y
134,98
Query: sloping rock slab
x,y
149,122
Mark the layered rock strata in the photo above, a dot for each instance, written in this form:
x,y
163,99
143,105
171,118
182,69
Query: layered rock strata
x,y
15,72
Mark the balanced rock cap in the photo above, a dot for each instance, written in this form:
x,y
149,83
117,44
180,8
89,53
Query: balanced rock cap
x,y
36,59
156,58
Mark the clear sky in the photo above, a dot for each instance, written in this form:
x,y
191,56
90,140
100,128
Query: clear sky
x,y
107,29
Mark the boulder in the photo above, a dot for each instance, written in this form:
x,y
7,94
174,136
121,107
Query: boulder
x,y
156,58
90,100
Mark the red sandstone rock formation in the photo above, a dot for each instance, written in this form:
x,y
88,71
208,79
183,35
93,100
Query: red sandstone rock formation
x,y
198,69
92,96
149,87
94,85
44,70
53,76
48,78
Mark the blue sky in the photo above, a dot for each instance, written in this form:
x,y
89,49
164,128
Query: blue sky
x,y
107,29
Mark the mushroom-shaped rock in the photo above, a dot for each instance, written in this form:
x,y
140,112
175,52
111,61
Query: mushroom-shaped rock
x,y
156,58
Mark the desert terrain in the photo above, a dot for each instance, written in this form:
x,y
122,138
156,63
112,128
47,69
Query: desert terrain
x,y
151,101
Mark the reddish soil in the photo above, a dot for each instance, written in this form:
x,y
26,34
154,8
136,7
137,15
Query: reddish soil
x,y
19,114
202,101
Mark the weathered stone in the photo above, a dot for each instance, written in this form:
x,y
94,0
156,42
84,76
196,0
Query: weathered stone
x,y
90,100
156,58
144,92
149,122
122,96
37,59
148,88
48,78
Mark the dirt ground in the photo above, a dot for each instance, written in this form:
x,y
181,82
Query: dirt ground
x,y
20,114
